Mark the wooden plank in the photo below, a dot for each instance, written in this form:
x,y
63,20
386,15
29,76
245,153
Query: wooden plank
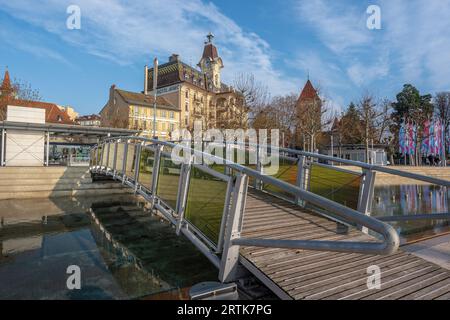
x,y
416,284
430,292
445,296
345,291
339,284
395,284
307,274
350,269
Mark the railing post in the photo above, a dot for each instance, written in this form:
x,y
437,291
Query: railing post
x,y
2,150
107,158
227,170
366,191
101,157
230,257
115,159
155,173
124,163
182,193
259,168
300,182
136,165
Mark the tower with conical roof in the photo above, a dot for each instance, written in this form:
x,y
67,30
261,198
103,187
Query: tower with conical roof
x,y
309,115
210,63
6,89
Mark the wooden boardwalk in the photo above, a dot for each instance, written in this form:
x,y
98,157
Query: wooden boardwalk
x,y
303,274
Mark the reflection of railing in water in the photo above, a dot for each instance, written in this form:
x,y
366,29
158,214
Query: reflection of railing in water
x,y
107,241
132,239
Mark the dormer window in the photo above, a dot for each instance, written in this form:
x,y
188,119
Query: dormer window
x,y
58,118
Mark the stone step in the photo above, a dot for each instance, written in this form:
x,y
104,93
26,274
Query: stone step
x,y
63,193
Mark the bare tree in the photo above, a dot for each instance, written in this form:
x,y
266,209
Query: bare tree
x,y
367,109
20,90
24,91
279,114
254,96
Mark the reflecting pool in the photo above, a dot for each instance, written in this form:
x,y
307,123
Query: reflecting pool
x,y
409,200
123,251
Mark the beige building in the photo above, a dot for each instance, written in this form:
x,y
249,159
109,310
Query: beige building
x,y
132,110
199,94
70,111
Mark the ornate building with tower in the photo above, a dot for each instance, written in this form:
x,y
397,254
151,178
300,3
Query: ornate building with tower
x,y
199,94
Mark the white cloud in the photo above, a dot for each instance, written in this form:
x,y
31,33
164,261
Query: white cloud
x,y
414,42
128,32
363,74
339,27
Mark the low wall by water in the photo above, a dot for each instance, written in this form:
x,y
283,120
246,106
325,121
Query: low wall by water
x,y
389,179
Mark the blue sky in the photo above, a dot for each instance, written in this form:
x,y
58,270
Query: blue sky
x,y
277,41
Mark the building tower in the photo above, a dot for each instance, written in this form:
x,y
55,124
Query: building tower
x,y
211,63
6,89
309,117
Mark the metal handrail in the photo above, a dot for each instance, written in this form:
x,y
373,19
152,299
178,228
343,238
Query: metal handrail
x,y
359,164
390,237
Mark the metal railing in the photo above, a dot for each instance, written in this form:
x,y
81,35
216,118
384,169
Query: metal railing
x,y
178,192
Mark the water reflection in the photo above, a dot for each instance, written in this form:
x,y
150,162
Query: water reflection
x,y
123,251
410,200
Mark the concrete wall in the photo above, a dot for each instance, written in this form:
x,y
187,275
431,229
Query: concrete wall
x,y
389,179
25,148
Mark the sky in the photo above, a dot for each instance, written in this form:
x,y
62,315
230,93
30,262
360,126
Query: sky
x,y
279,42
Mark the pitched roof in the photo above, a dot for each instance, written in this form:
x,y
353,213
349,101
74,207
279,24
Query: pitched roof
x,y
6,87
53,114
145,100
174,72
6,81
308,91
210,51
88,117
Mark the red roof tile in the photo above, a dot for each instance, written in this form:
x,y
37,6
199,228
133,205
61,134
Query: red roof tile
x,y
308,91
210,51
52,113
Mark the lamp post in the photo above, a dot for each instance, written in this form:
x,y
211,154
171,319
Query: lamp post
x,y
155,83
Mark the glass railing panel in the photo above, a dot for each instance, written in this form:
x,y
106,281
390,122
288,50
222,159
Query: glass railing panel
x,y
168,178
104,155
131,161
91,157
98,155
286,171
205,203
335,184
120,156
146,162
111,155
